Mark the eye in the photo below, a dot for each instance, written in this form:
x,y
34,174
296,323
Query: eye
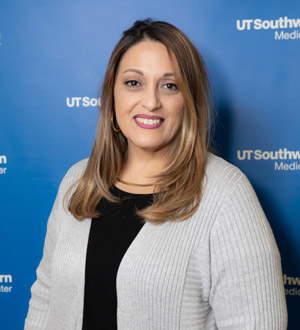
x,y
132,83
171,86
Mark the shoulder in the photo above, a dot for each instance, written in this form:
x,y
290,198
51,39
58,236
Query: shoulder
x,y
78,168
223,181
235,202
222,174
231,192
218,167
67,186
74,173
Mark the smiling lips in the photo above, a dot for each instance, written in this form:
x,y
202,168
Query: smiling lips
x,y
149,122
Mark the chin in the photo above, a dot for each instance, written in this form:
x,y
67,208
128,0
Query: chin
x,y
147,144
149,147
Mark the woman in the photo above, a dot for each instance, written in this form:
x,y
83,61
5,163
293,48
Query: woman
x,y
157,232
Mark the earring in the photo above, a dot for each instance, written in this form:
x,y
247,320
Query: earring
x,y
116,129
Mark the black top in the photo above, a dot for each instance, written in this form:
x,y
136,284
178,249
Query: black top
x,y
109,238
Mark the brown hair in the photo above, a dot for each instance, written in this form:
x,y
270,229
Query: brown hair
x,y
179,185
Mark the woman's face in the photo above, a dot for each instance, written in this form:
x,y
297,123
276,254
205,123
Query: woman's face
x,y
148,105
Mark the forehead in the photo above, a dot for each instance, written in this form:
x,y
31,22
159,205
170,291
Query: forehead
x,y
148,55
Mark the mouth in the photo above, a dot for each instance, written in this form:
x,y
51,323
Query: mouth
x,y
146,121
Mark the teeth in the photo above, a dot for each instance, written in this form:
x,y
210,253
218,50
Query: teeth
x,y
148,121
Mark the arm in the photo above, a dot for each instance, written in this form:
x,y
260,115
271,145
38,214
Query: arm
x,y
38,312
38,305
247,287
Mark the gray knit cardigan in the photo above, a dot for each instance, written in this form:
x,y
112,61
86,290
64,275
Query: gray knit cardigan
x,y
219,269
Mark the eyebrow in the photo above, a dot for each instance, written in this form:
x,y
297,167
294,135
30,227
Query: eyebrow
x,y
167,74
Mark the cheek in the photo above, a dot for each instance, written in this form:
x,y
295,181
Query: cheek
x,y
120,105
177,117
124,102
117,98
176,112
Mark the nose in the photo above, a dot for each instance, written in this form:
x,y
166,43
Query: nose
x,y
151,100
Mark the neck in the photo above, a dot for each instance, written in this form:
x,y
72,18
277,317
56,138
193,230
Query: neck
x,y
141,167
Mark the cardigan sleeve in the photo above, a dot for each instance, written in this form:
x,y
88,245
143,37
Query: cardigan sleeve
x,y
246,277
38,312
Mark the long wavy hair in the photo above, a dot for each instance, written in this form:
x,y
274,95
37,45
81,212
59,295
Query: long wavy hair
x,y
179,186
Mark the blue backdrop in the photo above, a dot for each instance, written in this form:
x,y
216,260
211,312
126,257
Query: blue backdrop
x,y
53,55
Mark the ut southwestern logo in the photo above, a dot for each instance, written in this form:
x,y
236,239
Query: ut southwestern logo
x,y
4,280
293,284
77,102
3,160
282,23
280,154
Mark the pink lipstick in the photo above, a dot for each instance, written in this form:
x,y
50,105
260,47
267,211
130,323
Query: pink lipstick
x,y
147,121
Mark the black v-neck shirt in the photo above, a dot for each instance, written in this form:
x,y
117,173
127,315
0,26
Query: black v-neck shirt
x,y
109,238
